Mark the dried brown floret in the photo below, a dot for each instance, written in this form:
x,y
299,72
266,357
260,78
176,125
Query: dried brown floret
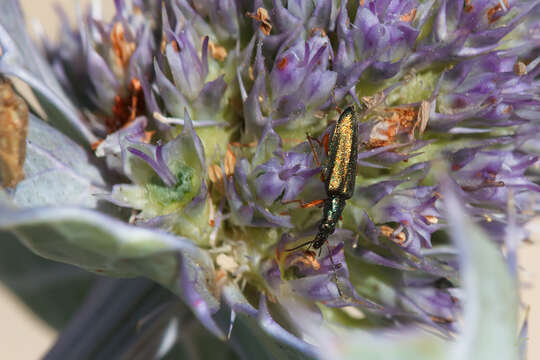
x,y
122,48
13,132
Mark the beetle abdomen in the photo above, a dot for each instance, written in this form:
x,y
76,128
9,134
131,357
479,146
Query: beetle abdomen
x,y
343,153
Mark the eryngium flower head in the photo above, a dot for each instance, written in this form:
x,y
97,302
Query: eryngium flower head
x,y
101,64
223,194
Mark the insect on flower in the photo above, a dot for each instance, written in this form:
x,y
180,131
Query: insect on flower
x,y
339,176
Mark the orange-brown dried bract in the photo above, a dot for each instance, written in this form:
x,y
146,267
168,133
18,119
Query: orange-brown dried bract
x,y
13,131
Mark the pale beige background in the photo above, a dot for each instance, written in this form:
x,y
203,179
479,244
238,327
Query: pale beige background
x,y
23,336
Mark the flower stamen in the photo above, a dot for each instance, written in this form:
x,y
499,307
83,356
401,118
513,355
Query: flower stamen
x,y
396,236
493,13
520,68
282,64
486,184
317,29
264,20
468,7
431,219
122,49
216,51
441,320
215,174
230,162
408,17
307,258
240,145
147,137
422,118
96,144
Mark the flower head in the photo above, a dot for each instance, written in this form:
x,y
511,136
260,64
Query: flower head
x,y
299,83
109,60
204,107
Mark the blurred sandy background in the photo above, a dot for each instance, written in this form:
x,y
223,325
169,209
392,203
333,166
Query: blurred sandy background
x,y
24,337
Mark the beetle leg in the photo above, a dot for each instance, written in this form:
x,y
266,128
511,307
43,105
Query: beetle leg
x,y
315,156
323,174
334,269
338,109
303,204
323,143
325,140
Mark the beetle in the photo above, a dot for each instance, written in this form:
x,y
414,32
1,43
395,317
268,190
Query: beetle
x,y
339,174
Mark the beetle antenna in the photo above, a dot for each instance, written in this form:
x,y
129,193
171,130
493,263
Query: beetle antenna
x,y
301,245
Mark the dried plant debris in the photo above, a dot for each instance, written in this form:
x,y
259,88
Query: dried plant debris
x,y
13,131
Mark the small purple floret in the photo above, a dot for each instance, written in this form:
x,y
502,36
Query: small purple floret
x,y
157,162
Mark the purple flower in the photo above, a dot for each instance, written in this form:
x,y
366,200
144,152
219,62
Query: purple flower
x,y
156,162
470,29
308,15
300,83
324,278
219,19
434,299
285,178
186,84
380,36
246,211
486,88
165,177
103,64
415,213
299,79
488,177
